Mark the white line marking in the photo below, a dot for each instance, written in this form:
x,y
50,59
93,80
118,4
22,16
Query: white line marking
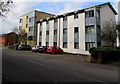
x,y
88,77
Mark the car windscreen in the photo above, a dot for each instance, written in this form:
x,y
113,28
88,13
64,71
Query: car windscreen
x,y
57,47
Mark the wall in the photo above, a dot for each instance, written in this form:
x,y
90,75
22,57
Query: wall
x,y
106,15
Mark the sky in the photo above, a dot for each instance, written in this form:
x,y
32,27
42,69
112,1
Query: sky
x,y
21,7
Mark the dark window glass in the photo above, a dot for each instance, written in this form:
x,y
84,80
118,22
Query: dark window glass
x,y
76,45
65,31
89,14
47,32
89,45
40,33
26,17
20,20
55,43
47,43
76,30
55,32
64,44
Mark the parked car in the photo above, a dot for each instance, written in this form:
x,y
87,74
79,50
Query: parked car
x,y
43,49
24,47
54,49
35,48
16,46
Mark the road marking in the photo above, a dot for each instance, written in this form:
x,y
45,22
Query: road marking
x,y
40,64
88,77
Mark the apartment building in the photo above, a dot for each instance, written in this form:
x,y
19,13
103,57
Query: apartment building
x,y
77,31
28,23
119,12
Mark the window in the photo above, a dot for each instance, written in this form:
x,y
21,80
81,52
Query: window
x,y
56,20
39,43
90,30
47,32
30,38
65,18
55,32
64,44
30,28
55,44
65,31
76,45
89,45
76,30
47,43
89,14
29,19
26,17
75,16
40,33
20,20
98,13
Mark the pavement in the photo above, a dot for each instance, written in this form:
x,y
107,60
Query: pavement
x,y
27,66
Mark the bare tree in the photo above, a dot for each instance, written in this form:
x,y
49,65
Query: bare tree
x,y
22,36
109,33
4,7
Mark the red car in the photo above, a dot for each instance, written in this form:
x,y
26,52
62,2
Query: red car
x,y
54,49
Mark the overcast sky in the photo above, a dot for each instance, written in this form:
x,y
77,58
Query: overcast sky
x,y
21,7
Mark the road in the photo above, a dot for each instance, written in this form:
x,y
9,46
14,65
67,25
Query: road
x,y
27,66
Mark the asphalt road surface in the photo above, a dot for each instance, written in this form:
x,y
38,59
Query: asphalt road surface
x,y
27,66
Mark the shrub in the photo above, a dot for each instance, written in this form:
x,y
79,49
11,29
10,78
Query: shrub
x,y
105,54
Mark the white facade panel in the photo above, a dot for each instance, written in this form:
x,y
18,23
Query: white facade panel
x,y
43,33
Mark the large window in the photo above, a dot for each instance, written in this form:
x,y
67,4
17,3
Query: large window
x,y
76,38
65,31
90,30
40,33
55,32
47,43
76,45
89,14
89,45
47,32
65,18
55,44
64,44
